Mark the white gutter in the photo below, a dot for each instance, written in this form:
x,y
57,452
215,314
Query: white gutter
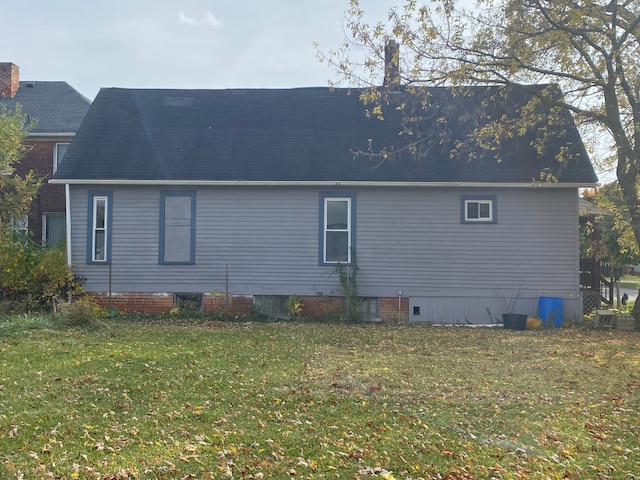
x,y
67,199
326,183
52,135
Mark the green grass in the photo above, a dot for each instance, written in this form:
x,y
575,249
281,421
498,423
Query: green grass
x,y
630,281
304,400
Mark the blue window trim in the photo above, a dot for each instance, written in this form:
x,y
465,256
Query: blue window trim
x,y
109,223
192,253
494,209
352,226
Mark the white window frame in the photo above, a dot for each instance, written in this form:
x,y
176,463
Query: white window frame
x,y
326,229
95,229
489,200
55,154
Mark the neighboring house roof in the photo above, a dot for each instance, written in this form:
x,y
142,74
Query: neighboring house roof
x,y
312,135
55,107
588,209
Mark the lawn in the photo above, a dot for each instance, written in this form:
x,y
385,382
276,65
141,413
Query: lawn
x,y
154,400
630,281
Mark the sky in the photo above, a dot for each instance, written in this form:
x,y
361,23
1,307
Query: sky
x,y
176,44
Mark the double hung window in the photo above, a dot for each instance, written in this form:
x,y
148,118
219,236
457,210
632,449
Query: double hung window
x,y
177,227
337,228
99,231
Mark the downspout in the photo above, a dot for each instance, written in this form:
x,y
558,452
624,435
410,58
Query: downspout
x,y
67,201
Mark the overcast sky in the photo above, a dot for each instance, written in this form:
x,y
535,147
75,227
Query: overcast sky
x,y
175,44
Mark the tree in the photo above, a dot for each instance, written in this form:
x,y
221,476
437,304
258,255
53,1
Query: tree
x,y
614,242
31,276
16,193
590,48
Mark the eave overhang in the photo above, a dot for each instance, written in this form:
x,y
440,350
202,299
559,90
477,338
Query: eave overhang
x,y
44,136
326,183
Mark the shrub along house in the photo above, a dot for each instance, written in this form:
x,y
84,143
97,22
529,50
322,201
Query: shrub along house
x,y
259,194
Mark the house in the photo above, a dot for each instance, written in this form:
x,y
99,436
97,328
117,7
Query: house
x,y
56,110
259,194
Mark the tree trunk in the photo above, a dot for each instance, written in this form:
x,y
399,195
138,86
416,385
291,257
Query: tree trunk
x,y
635,312
628,180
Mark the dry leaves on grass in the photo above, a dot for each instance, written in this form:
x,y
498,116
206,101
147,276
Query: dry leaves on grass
x,y
312,401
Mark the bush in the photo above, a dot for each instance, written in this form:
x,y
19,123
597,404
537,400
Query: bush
x,y
294,306
82,312
31,276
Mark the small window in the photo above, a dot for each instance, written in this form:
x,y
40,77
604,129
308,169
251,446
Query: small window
x,y
58,155
337,237
479,209
271,306
370,308
188,302
99,227
177,227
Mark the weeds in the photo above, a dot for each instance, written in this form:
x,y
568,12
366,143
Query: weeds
x,y
19,324
348,278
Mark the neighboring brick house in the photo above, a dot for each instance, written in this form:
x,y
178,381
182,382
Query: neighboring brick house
x,y
56,109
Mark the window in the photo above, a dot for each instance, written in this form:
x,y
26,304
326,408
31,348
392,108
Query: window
x,y
53,228
177,227
337,225
188,302
58,155
21,226
370,308
479,209
271,306
99,227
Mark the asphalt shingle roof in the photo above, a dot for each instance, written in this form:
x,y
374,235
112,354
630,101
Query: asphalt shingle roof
x,y
55,107
310,134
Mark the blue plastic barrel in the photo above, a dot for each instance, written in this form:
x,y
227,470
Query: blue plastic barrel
x,y
550,310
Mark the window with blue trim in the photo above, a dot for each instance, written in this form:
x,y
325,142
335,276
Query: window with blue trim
x,y
177,227
479,209
337,227
99,226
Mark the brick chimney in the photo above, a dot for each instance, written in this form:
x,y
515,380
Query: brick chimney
x,y
9,79
391,64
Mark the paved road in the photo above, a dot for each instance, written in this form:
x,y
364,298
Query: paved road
x,y
632,292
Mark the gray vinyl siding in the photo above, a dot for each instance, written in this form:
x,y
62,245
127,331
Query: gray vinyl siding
x,y
408,239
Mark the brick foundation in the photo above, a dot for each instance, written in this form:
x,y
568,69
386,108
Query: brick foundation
x,y
389,311
317,306
162,303
152,303
236,305
241,305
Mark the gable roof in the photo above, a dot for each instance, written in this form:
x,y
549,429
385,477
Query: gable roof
x,y
56,107
305,135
